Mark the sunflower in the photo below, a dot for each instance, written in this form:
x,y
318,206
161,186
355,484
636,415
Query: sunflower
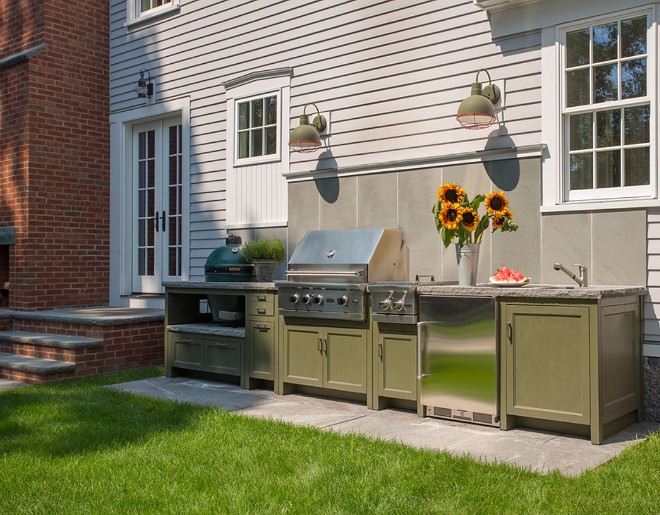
x,y
470,219
451,193
496,203
451,215
498,221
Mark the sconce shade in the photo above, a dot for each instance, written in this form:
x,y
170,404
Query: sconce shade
x,y
478,111
144,88
306,137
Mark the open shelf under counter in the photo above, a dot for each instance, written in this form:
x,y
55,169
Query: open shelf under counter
x,y
208,328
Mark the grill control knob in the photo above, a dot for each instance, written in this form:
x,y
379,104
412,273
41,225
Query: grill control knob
x,y
399,305
343,300
294,298
386,304
318,299
306,298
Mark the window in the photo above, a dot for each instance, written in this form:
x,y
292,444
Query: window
x,y
607,106
256,127
139,10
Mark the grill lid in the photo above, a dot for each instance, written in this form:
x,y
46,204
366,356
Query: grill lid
x,y
350,255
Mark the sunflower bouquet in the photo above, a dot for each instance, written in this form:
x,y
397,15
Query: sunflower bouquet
x,y
457,217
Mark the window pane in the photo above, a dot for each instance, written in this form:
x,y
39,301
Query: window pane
x,y
271,110
145,5
577,48
608,128
142,174
581,172
271,140
633,37
243,115
637,166
582,129
605,37
637,125
608,169
243,145
633,78
577,88
142,145
257,143
605,83
257,113
173,139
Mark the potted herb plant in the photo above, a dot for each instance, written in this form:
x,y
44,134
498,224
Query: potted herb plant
x,y
264,254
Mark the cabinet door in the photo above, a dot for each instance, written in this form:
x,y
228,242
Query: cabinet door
x,y
223,356
345,357
261,349
547,362
396,355
303,358
187,351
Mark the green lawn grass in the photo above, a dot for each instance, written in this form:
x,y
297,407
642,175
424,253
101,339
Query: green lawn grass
x,y
76,447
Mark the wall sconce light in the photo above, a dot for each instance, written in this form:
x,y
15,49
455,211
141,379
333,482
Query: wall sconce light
x,y
306,137
477,111
144,88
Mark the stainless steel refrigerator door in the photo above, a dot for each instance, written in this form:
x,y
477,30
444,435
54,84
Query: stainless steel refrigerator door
x,y
458,357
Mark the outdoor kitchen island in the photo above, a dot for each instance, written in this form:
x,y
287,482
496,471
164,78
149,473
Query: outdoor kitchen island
x,y
245,351
569,358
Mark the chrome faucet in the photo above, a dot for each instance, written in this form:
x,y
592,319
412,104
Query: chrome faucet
x,y
582,271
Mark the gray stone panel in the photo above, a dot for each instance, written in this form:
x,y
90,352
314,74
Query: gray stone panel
x,y
303,212
619,247
339,202
565,238
417,193
377,201
519,250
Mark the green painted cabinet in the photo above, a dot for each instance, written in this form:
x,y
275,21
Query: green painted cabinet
x,y
395,362
572,366
261,331
220,355
324,357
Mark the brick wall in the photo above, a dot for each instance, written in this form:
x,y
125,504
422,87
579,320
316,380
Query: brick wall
x,y
55,167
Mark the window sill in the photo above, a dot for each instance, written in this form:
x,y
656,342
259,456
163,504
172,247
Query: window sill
x,y
152,15
602,205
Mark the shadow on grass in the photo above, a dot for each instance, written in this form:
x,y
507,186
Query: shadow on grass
x,y
80,416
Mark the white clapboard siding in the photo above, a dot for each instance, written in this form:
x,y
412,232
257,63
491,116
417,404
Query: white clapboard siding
x,y
652,304
390,73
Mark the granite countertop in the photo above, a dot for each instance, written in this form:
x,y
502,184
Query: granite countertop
x,y
250,286
208,328
534,291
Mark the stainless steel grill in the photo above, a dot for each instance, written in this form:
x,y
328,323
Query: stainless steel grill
x,y
329,271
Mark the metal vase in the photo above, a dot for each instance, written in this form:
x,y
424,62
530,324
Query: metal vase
x,y
264,269
467,259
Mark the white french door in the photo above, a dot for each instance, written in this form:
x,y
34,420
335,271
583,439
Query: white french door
x,y
157,204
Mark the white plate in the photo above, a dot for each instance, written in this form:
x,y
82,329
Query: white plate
x,y
508,285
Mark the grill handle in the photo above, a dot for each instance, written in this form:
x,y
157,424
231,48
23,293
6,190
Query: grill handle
x,y
324,272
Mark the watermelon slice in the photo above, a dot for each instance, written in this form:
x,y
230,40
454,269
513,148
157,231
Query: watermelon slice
x,y
505,275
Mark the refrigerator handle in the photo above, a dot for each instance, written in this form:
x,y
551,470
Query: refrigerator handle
x,y
420,349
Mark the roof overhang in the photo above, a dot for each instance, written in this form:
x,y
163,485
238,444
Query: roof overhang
x,y
498,5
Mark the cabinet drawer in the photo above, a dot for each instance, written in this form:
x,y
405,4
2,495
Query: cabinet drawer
x,y
188,351
223,357
261,304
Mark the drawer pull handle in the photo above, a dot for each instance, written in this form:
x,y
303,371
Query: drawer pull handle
x,y
262,298
185,341
262,327
261,311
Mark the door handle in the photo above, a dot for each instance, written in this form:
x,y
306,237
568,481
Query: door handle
x,y
509,332
325,345
320,346
156,221
164,224
380,351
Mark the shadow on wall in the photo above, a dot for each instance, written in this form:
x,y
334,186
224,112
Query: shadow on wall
x,y
504,174
328,187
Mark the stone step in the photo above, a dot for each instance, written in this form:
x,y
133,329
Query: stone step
x,y
58,341
34,365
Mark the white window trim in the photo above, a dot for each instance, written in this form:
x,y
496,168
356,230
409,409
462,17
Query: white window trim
x,y
552,114
269,158
133,16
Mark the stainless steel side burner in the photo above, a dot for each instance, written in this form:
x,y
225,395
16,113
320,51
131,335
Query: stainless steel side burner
x,y
329,271
394,302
